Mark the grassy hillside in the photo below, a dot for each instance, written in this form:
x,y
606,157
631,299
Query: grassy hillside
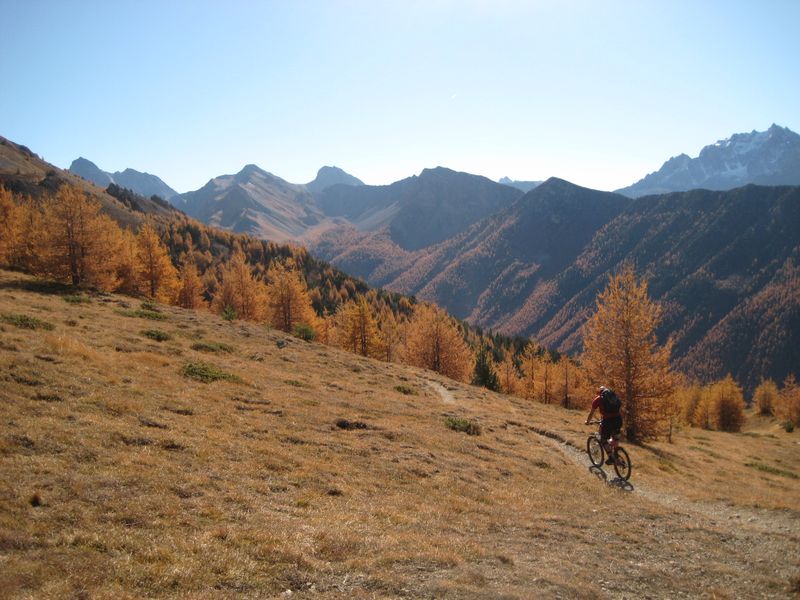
x,y
308,470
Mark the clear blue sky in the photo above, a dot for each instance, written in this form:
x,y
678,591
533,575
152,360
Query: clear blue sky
x,y
597,92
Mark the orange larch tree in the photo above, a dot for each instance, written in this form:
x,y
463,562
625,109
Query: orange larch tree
x,y
190,286
288,302
621,352
239,291
435,342
76,243
357,329
157,276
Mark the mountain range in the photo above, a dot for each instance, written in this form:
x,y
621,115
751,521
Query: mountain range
x,y
144,184
723,264
769,157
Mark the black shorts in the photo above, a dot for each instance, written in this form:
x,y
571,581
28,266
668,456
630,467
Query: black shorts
x,y
609,426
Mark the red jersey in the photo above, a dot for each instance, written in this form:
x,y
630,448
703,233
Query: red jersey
x,y
596,404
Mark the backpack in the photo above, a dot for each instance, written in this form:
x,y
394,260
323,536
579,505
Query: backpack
x,y
609,402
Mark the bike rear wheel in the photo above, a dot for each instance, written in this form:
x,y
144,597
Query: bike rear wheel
x,y
595,450
622,464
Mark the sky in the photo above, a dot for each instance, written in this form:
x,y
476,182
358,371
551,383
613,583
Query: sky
x,y
598,92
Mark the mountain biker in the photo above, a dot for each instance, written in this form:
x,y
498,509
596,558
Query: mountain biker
x,y
610,419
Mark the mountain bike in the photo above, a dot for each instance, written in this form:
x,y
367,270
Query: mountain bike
x,y
596,452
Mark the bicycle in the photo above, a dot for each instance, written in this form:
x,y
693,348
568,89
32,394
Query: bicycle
x,y
596,452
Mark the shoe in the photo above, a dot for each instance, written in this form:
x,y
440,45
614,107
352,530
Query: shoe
x,y
610,461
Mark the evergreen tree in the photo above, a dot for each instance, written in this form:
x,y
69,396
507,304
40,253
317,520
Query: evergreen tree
x,y
483,375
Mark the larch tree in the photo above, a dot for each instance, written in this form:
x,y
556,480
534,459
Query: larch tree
x,y
76,243
190,286
157,276
288,302
128,265
766,397
530,369
509,380
239,291
357,329
621,352
434,341
10,225
727,405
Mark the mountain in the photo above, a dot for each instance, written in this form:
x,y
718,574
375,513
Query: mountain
x,y
525,186
144,184
421,210
253,201
724,264
769,157
328,176
24,172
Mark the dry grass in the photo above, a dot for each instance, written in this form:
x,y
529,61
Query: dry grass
x,y
122,478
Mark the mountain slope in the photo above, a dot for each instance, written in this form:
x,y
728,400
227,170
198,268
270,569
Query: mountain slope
x,y
255,202
421,210
769,157
327,475
25,173
524,186
143,184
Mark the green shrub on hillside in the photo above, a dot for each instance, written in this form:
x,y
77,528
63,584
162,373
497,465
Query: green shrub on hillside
x,y
157,335
212,347
208,373
26,322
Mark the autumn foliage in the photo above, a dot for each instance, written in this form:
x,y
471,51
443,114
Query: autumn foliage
x,y
621,352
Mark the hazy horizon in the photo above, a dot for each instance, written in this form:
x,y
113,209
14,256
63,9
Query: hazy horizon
x,y
599,95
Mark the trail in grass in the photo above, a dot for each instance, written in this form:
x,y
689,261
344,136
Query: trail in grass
x,y
716,513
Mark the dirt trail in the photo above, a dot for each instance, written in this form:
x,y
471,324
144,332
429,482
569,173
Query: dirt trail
x,y
443,392
717,514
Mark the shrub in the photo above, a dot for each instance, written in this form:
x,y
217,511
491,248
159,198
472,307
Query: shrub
x,y
229,313
76,299
405,389
208,373
463,425
157,335
788,427
26,322
212,347
141,313
305,332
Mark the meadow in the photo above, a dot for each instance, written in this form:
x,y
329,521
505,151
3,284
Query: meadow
x,y
148,451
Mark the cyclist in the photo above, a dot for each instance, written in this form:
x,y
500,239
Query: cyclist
x,y
610,419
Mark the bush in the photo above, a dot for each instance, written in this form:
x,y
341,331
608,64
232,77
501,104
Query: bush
x,y
208,373
26,322
229,313
76,299
212,347
157,335
305,332
463,425
788,427
405,389
141,313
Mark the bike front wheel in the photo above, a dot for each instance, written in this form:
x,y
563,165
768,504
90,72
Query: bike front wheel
x,y
622,464
595,450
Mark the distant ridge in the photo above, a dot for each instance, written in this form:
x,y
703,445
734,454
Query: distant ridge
x,y
769,157
144,184
525,186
